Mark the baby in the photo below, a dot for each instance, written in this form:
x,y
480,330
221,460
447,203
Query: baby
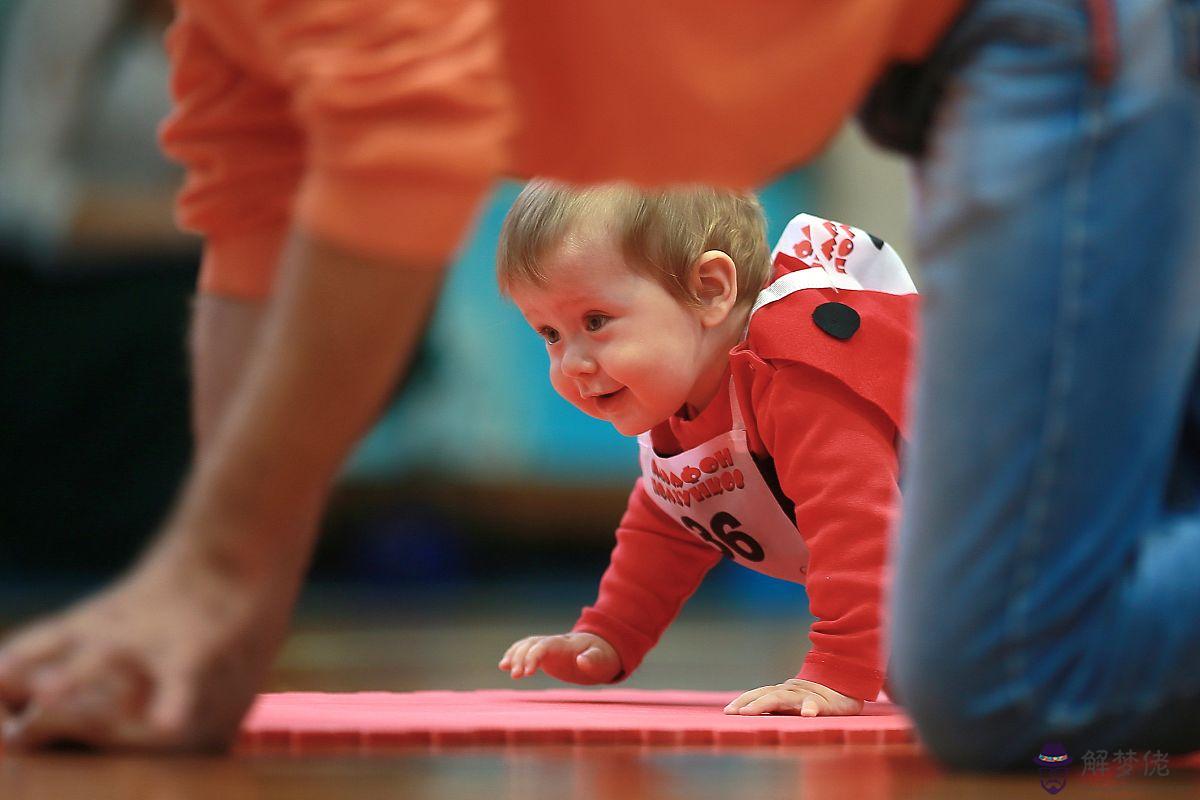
x,y
766,390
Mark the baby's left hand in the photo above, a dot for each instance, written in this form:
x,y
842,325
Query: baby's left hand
x,y
795,696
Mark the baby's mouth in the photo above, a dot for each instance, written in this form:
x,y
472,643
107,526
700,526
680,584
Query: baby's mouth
x,y
604,398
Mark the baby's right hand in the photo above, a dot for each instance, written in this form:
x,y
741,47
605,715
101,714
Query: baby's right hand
x,y
571,657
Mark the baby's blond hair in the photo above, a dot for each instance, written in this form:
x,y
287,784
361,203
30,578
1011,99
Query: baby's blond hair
x,y
661,232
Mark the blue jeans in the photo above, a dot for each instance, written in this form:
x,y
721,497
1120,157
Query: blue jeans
x,y
1047,581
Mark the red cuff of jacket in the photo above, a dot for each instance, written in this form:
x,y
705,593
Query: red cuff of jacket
x,y
848,677
630,644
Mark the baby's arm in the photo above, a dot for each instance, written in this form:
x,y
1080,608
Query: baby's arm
x,y
655,567
840,467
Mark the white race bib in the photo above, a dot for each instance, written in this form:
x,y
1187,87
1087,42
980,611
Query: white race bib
x,y
717,492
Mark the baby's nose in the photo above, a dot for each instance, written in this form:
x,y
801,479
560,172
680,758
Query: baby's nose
x,y
577,362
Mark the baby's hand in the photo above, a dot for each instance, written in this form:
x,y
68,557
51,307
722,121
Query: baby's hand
x,y
795,696
570,657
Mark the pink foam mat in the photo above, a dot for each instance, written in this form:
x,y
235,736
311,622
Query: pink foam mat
x,y
373,720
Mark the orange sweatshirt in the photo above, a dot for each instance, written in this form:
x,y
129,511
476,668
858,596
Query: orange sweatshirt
x,y
379,124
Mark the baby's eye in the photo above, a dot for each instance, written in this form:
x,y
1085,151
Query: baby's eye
x,y
549,334
594,322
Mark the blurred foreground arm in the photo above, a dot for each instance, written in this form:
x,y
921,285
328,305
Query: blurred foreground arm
x,y
375,127
171,656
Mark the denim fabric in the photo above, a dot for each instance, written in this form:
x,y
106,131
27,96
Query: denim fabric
x,y
1044,589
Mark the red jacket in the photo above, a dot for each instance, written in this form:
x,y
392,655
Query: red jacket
x,y
828,414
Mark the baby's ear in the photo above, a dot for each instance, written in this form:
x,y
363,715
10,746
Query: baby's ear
x,y
714,286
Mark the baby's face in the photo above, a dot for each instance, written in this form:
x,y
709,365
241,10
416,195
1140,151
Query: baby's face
x,y
621,347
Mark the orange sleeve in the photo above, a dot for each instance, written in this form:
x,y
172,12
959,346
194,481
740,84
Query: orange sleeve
x,y
375,125
405,113
244,157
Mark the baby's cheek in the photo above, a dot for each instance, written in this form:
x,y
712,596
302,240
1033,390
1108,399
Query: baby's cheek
x,y
565,387
658,377
559,381
634,364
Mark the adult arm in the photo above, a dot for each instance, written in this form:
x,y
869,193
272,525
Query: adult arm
x,y
170,656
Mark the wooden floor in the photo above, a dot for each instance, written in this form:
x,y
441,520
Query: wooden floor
x,y
550,773
452,642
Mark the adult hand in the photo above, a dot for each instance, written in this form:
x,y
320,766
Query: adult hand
x,y
167,659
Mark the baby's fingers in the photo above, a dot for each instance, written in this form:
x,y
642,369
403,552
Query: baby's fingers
x,y
506,659
510,655
535,654
516,667
525,658
745,698
551,647
785,701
